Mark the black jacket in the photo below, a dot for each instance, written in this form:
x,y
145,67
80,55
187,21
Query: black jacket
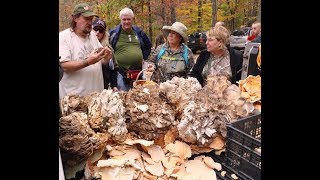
x,y
109,76
236,60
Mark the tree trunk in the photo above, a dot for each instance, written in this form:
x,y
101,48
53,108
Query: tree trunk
x,y
232,12
172,12
259,12
214,12
150,20
163,13
142,22
199,15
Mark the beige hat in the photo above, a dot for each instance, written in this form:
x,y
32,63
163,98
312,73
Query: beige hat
x,y
177,27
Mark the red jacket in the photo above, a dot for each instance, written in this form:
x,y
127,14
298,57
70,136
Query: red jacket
x,y
251,37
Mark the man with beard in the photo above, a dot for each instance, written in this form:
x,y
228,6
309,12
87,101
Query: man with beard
x,y
82,55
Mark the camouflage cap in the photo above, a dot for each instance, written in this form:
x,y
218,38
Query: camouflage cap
x,y
84,9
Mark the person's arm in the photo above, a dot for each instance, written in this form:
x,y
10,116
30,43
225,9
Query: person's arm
x,y
196,70
113,79
147,44
113,66
94,57
190,61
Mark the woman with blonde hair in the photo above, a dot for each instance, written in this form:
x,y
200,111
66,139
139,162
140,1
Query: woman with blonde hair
x,y
219,58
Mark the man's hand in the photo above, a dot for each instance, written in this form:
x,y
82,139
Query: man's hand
x,y
96,55
104,54
107,55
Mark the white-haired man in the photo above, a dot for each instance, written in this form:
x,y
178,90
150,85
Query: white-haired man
x,y
131,46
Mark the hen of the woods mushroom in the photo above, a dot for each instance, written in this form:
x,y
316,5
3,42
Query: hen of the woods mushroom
x,y
73,103
77,142
213,106
80,134
179,109
180,92
251,90
106,114
150,115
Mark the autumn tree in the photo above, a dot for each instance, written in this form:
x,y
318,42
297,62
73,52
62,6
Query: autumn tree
x,y
152,15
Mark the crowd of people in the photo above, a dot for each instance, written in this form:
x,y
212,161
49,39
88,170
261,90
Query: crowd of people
x,y
92,58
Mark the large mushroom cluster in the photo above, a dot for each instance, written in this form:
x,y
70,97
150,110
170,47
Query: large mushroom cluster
x,y
106,114
218,103
77,141
76,103
150,114
179,92
151,130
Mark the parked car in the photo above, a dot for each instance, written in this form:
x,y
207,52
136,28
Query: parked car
x,y
239,37
197,41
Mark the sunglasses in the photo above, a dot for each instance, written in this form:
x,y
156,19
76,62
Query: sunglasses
x,y
101,31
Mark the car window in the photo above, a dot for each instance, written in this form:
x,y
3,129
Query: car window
x,y
241,32
203,35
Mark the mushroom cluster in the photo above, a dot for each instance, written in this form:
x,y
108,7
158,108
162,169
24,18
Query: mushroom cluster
x,y
77,141
106,114
251,90
218,103
150,115
179,91
109,133
73,103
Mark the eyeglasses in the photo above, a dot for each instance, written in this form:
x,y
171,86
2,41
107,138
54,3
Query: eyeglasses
x,y
126,19
101,31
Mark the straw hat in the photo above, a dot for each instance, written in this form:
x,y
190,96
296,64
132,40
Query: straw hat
x,y
177,27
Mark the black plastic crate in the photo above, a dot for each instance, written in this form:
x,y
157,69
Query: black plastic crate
x,y
243,138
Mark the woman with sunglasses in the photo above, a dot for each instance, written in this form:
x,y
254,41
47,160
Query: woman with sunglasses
x,y
109,74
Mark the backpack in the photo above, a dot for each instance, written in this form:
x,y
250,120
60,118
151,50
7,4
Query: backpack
x,y
185,53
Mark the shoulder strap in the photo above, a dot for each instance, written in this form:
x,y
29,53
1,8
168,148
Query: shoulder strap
x,y
161,52
185,53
